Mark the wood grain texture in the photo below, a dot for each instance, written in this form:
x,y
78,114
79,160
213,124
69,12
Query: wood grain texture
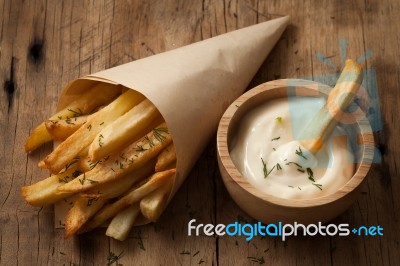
x,y
45,44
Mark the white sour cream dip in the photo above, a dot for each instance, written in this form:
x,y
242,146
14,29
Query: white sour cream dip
x,y
266,152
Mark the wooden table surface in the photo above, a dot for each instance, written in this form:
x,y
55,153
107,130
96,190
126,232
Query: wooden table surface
x,y
45,44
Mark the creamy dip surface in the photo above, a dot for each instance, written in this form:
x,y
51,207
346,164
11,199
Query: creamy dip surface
x,y
268,155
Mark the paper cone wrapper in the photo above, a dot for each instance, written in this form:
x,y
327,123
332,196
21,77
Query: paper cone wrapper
x,y
191,86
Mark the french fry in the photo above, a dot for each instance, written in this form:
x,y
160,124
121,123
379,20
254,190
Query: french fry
x,y
82,105
119,186
37,137
82,138
109,211
82,210
44,192
42,165
165,158
62,129
153,204
84,164
122,223
124,130
133,157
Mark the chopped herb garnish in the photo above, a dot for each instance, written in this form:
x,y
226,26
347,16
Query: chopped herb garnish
x,y
201,261
102,123
317,185
278,166
291,186
157,132
298,165
89,127
300,153
185,252
112,258
310,174
63,179
300,170
68,121
264,167
54,122
84,179
100,142
274,149
275,138
259,260
91,200
299,188
92,181
106,158
76,113
112,169
75,160
140,148
197,252
92,165
151,144
279,119
140,242
121,166
265,170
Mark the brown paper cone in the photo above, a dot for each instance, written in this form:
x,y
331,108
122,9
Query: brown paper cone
x,y
192,85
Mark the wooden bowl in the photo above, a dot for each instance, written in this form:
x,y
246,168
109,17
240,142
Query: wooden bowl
x,y
271,209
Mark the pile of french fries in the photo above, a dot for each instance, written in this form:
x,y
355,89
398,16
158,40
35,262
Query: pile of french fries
x,y
116,155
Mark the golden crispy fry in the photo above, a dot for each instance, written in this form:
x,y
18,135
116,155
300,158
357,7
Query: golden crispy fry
x,y
131,158
165,158
119,186
82,210
37,137
84,164
109,211
82,138
44,192
122,223
154,203
62,129
82,105
42,165
124,130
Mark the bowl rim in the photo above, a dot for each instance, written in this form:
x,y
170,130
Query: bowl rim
x,y
225,159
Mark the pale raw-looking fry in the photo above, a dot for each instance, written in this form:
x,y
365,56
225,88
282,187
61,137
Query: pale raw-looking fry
x,y
62,129
165,158
124,130
109,211
82,138
133,157
82,210
82,105
44,192
119,186
154,203
122,223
